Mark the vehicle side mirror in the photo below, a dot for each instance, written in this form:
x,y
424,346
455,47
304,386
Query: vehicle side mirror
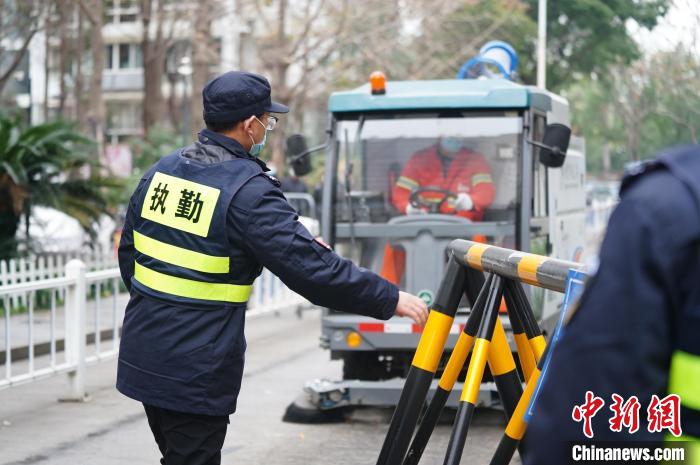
x,y
298,154
554,145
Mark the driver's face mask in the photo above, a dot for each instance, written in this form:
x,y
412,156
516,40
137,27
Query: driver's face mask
x,y
450,145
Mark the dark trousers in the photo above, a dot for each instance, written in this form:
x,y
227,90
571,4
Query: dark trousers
x,y
186,438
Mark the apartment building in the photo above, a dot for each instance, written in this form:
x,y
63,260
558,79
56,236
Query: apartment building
x,y
122,78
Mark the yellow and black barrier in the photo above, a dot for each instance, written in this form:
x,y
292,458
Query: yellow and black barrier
x,y
484,331
537,270
515,429
501,365
530,342
449,377
424,364
522,343
475,373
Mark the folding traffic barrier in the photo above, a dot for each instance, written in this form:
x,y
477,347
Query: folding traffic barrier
x,y
485,336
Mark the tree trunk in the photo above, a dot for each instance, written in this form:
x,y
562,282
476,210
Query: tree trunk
x,y
280,89
96,111
633,137
9,219
9,224
606,145
26,17
153,50
173,110
65,46
202,59
47,54
79,80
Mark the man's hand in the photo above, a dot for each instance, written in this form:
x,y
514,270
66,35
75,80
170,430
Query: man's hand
x,y
412,307
464,202
411,210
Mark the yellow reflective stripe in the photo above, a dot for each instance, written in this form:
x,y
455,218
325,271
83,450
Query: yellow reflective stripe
x,y
456,361
684,378
191,289
408,180
481,178
690,444
407,183
179,256
432,341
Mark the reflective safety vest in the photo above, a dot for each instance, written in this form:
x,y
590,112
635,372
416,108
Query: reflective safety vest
x,y
684,380
182,252
684,374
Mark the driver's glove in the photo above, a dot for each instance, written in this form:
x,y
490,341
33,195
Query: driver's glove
x,y
464,202
411,210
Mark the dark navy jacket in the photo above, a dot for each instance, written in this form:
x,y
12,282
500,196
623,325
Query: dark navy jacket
x,y
190,358
633,313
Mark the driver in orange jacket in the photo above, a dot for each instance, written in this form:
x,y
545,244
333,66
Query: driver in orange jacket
x,y
450,166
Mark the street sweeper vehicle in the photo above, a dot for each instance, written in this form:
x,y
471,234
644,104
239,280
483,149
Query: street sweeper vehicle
x,y
412,165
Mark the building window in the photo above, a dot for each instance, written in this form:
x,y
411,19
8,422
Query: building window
x,y
124,118
124,61
121,11
123,56
109,63
136,56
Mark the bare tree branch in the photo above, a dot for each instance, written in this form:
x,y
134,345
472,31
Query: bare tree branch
x,y
438,67
87,12
682,121
17,59
177,15
261,15
309,21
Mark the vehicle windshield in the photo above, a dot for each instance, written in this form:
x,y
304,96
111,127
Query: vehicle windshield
x,y
398,170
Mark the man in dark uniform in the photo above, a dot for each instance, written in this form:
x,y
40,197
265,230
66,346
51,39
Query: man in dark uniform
x,y
637,329
200,226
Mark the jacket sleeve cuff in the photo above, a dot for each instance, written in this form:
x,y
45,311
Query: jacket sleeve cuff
x,y
392,292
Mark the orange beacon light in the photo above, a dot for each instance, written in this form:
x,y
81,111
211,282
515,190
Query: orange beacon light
x,y
377,82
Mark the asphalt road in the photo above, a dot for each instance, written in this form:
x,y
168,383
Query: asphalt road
x,y
282,354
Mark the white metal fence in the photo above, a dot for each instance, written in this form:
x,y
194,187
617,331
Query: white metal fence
x,y
49,265
61,329
62,324
271,295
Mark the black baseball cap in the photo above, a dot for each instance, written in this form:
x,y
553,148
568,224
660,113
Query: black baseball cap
x,y
237,95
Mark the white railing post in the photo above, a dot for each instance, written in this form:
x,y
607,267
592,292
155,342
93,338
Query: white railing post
x,y
76,296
